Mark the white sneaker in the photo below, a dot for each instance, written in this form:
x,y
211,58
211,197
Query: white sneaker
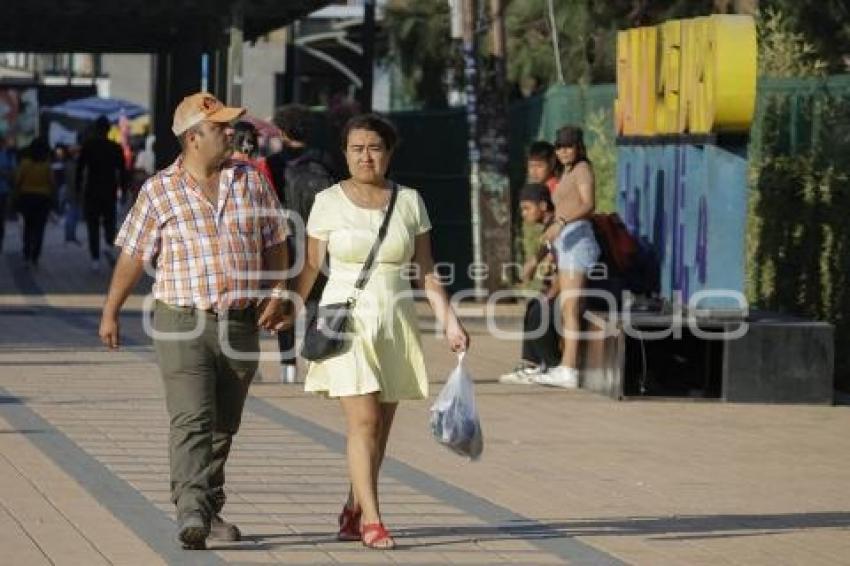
x,y
560,376
524,374
288,373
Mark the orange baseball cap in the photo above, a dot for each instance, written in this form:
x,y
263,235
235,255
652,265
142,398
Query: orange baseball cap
x,y
201,106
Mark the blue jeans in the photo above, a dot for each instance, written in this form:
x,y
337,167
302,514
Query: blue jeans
x,y
72,217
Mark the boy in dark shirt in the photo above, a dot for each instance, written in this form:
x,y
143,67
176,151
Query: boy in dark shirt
x,y
541,344
298,172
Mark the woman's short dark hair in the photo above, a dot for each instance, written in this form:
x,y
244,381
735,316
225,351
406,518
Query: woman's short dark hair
x,y
294,120
373,123
39,149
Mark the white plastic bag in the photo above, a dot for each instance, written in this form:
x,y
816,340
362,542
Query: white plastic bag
x,y
454,418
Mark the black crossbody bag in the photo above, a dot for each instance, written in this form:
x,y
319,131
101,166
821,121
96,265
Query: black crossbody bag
x,y
326,331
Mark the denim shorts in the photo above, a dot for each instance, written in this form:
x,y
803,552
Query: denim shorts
x,y
575,247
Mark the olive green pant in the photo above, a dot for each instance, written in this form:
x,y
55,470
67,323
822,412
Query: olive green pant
x,y
205,390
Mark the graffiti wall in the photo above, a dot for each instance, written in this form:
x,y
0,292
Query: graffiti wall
x,y
680,87
688,201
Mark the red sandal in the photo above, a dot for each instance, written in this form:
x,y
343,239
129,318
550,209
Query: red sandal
x,y
374,534
349,524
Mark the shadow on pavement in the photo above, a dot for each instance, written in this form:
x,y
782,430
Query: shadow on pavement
x,y
693,527
690,527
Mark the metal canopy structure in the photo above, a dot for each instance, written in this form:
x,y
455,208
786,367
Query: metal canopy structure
x,y
138,26
181,34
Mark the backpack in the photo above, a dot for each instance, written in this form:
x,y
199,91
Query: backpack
x,y
303,178
633,263
619,248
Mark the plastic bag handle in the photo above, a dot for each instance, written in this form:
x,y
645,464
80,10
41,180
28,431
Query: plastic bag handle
x,y
460,356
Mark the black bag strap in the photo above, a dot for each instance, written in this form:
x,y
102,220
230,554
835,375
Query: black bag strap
x,y
366,272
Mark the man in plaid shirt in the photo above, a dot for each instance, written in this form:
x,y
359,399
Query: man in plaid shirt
x,y
214,232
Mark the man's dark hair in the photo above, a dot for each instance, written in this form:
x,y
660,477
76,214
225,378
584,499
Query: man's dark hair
x,y
294,120
39,149
101,125
541,150
373,123
536,193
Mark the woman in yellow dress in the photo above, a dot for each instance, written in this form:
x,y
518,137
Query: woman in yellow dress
x,y
384,363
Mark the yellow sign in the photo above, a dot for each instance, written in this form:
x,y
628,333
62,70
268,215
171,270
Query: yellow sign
x,y
693,76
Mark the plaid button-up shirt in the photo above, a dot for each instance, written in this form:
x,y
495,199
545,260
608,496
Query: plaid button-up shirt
x,y
207,256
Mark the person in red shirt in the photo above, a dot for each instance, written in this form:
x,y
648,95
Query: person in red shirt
x,y
542,166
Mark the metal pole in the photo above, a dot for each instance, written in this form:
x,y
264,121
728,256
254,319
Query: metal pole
x,y
234,63
296,63
471,79
555,47
290,65
368,59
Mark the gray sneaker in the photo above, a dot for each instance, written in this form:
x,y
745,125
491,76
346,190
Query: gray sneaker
x,y
223,531
192,531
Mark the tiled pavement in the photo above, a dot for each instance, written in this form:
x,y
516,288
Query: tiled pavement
x,y
567,477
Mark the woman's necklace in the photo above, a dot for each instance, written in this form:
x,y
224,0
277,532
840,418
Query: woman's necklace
x,y
364,201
